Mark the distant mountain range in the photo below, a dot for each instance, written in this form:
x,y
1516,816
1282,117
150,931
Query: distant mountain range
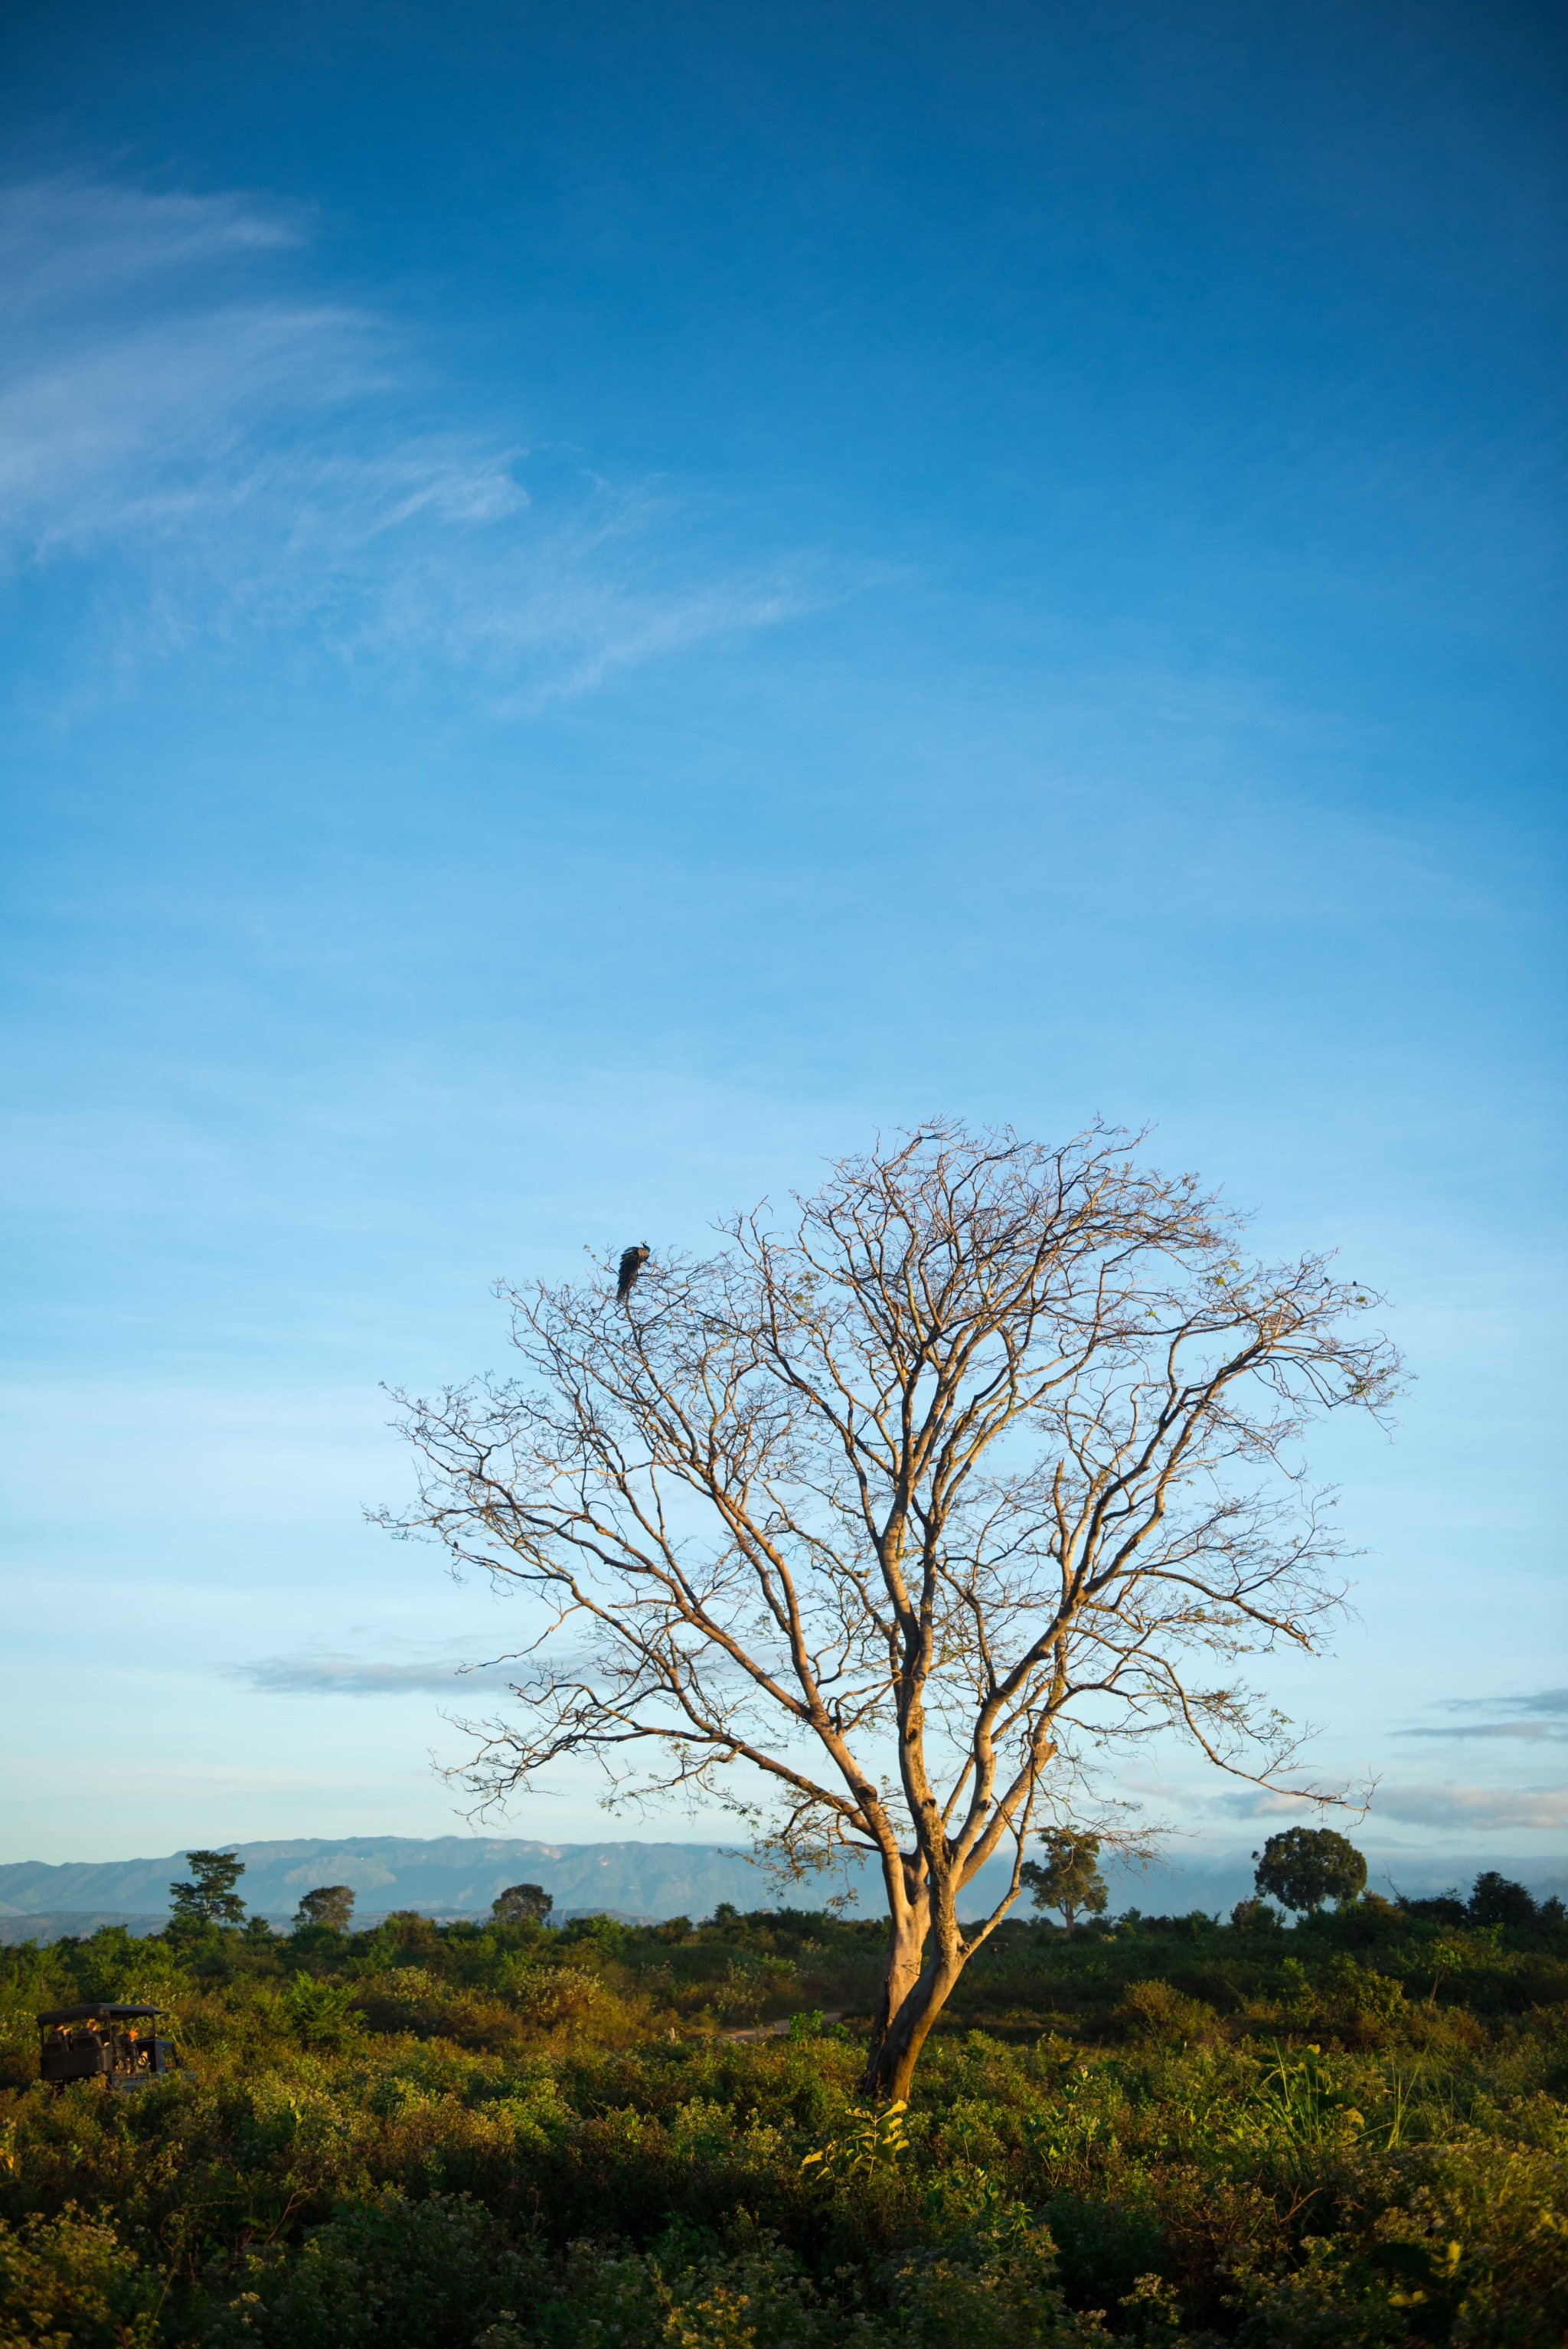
x,y
459,1876
447,1875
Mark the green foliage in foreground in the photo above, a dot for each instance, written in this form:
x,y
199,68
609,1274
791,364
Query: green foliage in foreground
x,y
1167,2132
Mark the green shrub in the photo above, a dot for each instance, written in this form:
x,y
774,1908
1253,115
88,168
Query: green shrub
x,y
995,2283
392,2273
322,2013
1103,2247
1153,2011
71,2282
1365,2008
555,1994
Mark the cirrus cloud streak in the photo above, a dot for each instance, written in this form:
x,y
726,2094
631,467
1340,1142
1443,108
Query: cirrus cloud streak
x,y
233,454
326,1673
1539,1718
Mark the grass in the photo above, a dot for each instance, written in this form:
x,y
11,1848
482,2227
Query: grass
x,y
1169,2131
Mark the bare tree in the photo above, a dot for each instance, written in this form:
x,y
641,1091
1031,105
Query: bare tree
x,y
985,1461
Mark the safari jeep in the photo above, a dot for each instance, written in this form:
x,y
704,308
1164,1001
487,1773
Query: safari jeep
x,y
116,2044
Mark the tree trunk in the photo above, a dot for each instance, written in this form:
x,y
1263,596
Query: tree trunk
x,y
898,2039
917,1981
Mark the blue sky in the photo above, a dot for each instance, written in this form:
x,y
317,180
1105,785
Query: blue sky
x,y
596,606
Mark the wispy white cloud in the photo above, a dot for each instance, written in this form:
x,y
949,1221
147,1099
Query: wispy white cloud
x,y
67,241
1491,1807
1529,1733
1258,1802
1418,1804
156,429
1551,1702
233,454
1539,1718
324,1673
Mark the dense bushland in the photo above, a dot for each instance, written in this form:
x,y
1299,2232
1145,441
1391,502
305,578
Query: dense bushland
x,y
1167,2130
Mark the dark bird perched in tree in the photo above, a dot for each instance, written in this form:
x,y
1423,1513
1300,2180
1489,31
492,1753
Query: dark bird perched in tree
x,y
632,1259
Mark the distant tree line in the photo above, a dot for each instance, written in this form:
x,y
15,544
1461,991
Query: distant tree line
x,y
209,1897
1301,1867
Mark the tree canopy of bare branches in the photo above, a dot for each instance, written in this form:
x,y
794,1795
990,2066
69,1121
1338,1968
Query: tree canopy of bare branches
x,y
877,1523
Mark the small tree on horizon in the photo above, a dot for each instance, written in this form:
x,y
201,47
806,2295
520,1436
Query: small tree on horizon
x,y
521,1904
1069,1878
1496,1900
331,1905
1305,1867
985,1460
209,1899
